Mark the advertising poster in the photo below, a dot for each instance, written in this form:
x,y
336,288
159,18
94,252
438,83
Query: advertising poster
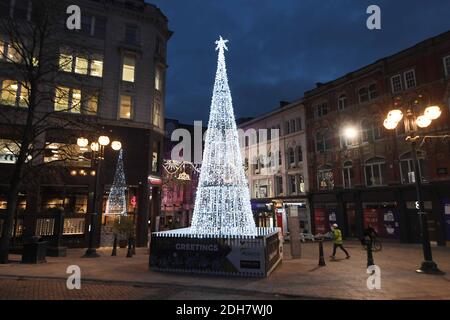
x,y
447,220
321,221
383,220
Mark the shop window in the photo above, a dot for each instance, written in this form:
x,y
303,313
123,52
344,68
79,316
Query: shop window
x,y
375,172
325,179
347,174
70,155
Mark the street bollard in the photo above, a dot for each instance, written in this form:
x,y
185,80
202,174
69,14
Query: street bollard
x,y
129,254
321,258
369,253
114,251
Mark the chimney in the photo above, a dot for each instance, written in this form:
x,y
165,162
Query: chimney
x,y
283,103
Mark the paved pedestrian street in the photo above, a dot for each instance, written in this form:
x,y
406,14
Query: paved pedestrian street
x,y
129,278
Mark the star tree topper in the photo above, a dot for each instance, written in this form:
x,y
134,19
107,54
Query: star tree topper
x,y
221,44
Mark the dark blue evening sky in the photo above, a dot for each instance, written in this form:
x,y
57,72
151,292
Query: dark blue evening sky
x,y
280,48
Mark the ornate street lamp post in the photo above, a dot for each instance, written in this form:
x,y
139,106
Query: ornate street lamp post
x,y
411,124
98,153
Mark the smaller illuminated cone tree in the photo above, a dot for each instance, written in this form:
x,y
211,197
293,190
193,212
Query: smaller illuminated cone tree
x,y
117,203
222,204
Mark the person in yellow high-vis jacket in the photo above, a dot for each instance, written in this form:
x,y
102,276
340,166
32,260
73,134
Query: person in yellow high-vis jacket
x,y
337,241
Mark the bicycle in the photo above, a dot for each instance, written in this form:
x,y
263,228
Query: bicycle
x,y
376,245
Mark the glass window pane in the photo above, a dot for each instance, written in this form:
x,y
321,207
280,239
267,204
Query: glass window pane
x,y
92,105
9,92
76,101
368,170
61,99
125,107
128,68
23,96
97,68
81,65
65,62
2,49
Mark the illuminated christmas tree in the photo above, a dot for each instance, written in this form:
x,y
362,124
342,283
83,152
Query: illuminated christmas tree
x,y
117,203
222,205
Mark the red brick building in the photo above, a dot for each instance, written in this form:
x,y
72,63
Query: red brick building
x,y
368,179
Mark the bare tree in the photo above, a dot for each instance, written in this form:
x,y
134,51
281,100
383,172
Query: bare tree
x,y
34,102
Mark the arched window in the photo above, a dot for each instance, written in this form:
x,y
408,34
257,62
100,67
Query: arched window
x,y
375,171
325,180
342,102
347,174
407,167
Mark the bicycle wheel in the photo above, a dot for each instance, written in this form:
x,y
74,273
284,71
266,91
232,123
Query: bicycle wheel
x,y
376,246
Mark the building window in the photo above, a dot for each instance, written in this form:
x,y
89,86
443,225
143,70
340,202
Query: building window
x,y
96,69
279,185
323,141
342,102
321,110
363,94
291,157
129,64
81,65
157,114
158,79
301,183
447,66
299,124
67,100
14,93
325,178
292,184
87,66
347,174
396,83
375,171
299,154
280,158
373,93
131,34
126,106
407,167
410,79
371,130
287,126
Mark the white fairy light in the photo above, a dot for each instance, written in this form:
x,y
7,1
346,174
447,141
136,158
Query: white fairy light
x,y
117,203
222,204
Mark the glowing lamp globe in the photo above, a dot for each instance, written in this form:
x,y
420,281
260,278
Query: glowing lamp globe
x,y
103,140
94,146
432,112
395,115
423,121
350,133
389,124
116,145
82,142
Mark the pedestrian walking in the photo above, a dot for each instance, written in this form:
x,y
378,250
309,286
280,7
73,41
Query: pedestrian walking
x,y
337,241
